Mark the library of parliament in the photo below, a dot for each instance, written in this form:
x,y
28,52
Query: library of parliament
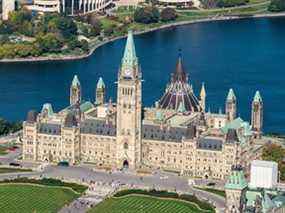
x,y
176,134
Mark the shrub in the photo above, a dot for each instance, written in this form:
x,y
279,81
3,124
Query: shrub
x,y
48,182
146,15
276,5
168,14
108,31
231,3
49,42
96,24
84,45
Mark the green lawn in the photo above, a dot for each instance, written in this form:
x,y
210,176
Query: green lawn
x,y
31,198
144,204
13,170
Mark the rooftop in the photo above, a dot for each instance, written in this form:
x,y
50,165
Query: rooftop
x,y
214,144
231,95
179,94
236,180
262,163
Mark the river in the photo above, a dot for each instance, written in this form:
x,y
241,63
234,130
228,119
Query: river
x,y
246,55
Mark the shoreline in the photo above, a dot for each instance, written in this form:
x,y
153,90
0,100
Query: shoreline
x,y
165,26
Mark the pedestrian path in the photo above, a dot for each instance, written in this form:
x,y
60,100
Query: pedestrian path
x,y
96,193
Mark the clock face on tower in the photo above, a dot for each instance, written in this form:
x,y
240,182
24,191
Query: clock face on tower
x,y
128,72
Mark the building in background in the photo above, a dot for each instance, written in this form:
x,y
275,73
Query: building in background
x,y
44,6
180,3
7,6
69,7
268,170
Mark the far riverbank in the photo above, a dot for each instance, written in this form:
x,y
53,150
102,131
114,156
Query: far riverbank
x,y
107,40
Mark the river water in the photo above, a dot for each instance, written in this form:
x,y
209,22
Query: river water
x,y
246,55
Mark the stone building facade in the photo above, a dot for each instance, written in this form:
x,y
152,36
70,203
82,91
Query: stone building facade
x,y
177,134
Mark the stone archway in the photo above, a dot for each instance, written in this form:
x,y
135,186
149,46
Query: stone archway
x,y
125,164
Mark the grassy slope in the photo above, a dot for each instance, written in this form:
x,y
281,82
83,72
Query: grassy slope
x,y
138,203
214,191
13,170
29,198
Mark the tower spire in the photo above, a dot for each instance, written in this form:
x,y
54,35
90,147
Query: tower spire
x,y
203,97
75,81
257,114
231,95
75,91
179,73
231,105
130,60
257,97
100,92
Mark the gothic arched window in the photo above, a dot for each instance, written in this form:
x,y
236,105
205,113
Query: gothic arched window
x,y
126,146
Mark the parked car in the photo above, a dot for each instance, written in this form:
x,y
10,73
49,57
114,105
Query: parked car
x,y
211,184
14,164
63,163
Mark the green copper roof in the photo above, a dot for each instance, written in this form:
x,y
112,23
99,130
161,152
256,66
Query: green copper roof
x,y
181,107
237,124
267,203
130,59
257,97
231,95
100,83
279,200
251,196
47,107
86,106
236,181
75,81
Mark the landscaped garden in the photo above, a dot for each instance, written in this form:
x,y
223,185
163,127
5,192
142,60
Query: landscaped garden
x,y
136,201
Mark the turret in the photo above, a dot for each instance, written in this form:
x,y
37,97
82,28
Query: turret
x,y
47,110
100,92
257,114
231,105
235,192
203,97
75,91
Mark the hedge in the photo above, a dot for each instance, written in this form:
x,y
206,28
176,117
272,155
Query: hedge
x,y
48,182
